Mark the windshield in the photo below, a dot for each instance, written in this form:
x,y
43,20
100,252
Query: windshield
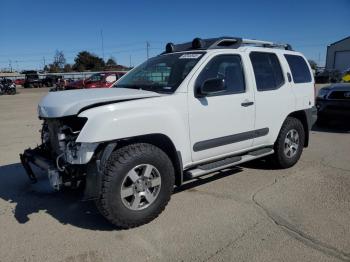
x,y
96,77
162,73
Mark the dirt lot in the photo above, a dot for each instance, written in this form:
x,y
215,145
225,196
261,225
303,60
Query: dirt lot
x,y
250,213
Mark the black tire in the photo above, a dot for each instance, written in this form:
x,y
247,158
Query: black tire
x,y
280,158
121,161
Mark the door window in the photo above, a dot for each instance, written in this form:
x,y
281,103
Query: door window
x,y
267,71
299,68
227,67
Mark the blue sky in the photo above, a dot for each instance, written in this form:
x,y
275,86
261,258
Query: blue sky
x,y
32,30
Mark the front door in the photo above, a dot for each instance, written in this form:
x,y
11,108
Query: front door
x,y
221,123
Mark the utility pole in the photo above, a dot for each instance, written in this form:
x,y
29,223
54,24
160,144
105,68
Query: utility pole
x,y
102,45
130,61
147,48
10,65
319,59
44,62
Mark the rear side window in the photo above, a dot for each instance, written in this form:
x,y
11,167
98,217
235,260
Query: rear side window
x,y
299,68
267,70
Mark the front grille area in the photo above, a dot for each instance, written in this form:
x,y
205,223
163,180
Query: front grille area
x,y
69,126
339,95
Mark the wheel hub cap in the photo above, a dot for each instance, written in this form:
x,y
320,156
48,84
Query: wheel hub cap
x,y
140,187
291,143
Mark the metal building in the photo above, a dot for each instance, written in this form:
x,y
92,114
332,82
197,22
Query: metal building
x,y
338,55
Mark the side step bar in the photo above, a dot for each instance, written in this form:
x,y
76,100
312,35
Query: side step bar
x,y
227,162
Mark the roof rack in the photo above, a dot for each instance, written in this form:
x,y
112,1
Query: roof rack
x,y
266,44
224,42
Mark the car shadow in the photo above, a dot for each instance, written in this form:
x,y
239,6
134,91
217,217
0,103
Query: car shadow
x,y
207,179
333,127
65,206
261,164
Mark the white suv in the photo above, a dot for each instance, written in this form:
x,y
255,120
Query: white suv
x,y
197,108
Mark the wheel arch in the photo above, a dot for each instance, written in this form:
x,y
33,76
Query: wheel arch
x,y
302,117
164,143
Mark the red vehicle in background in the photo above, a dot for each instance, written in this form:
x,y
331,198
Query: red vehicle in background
x,y
19,81
98,80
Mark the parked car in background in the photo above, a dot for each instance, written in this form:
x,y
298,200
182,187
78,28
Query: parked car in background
x,y
98,80
51,80
328,76
32,79
333,103
19,81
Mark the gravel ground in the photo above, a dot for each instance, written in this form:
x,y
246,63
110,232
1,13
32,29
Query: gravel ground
x,y
249,213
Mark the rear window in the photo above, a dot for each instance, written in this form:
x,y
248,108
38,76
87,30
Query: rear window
x,y
299,68
267,70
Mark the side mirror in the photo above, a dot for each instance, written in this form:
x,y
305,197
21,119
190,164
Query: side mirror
x,y
211,86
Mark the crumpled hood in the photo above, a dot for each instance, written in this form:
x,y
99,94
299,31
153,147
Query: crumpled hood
x,y
70,102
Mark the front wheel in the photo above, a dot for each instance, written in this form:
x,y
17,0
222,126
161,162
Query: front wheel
x,y
137,184
290,143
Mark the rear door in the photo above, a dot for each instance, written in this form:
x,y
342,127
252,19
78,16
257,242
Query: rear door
x,y
273,97
301,80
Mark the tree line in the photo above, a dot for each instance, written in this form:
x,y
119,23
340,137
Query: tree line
x,y
84,61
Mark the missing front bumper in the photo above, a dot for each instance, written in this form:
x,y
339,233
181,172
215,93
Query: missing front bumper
x,y
37,157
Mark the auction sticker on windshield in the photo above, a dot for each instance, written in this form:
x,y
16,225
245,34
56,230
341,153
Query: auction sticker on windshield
x,y
190,56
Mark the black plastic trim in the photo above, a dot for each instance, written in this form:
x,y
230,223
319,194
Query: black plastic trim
x,y
311,116
181,168
225,140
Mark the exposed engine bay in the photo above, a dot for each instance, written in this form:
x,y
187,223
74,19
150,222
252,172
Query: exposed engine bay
x,y
59,154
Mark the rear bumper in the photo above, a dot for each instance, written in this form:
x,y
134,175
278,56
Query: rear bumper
x,y
335,109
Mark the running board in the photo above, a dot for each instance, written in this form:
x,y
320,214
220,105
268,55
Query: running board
x,y
227,162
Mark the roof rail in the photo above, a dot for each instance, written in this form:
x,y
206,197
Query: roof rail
x,y
266,44
221,43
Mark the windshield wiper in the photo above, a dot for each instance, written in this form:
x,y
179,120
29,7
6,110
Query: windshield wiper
x,y
152,88
129,86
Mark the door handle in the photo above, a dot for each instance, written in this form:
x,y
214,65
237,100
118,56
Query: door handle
x,y
247,103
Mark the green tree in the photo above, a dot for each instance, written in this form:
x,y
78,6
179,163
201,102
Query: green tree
x,y
54,68
111,62
67,68
313,64
88,61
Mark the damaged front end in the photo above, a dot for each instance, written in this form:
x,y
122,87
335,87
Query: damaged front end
x,y
64,160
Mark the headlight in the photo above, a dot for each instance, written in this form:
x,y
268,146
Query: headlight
x,y
323,92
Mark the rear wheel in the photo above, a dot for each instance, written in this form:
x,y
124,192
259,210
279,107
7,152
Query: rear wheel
x,y
137,184
290,143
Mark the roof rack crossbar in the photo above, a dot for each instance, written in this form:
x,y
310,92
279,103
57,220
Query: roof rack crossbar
x,y
221,43
266,44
